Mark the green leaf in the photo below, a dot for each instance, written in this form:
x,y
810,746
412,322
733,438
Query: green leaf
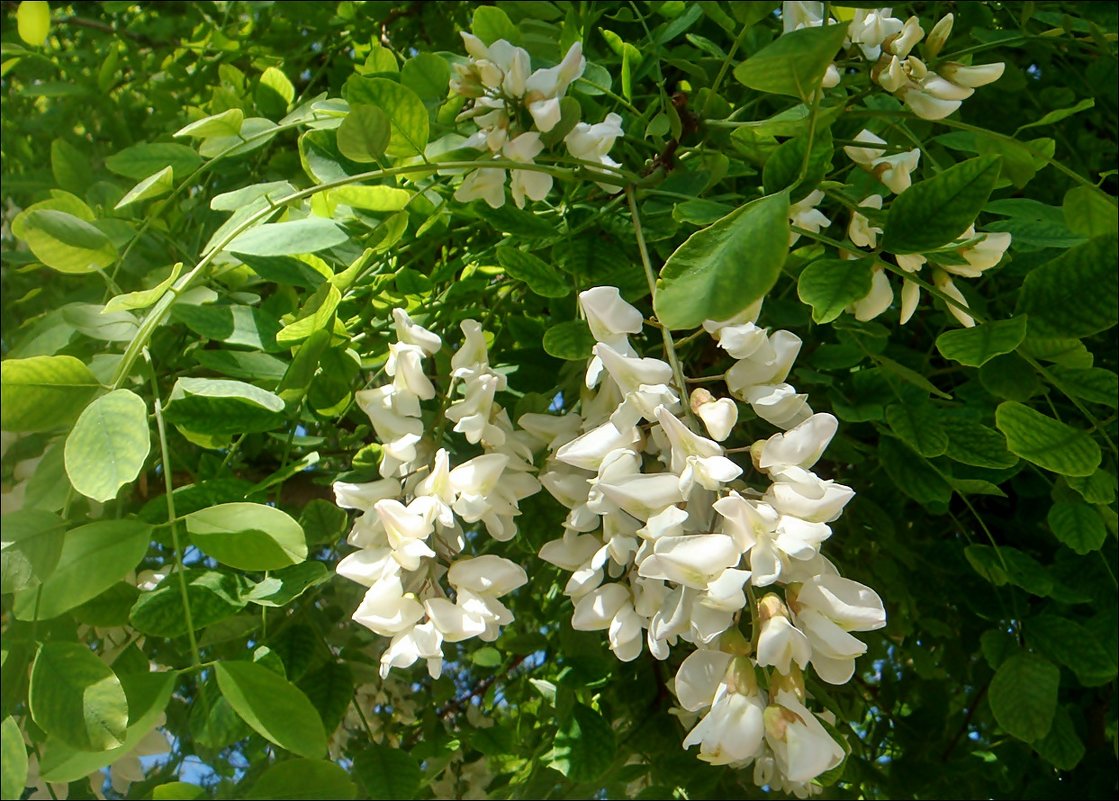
x,y
571,340
42,393
406,112
937,211
108,445
308,235
274,93
584,745
33,23
1070,644
372,198
1077,525
782,168
364,134
722,269
971,442
1089,212
221,406
94,557
148,695
491,23
1061,747
213,597
1075,295
14,760
317,314
1046,442
156,184
1059,114
304,778
1093,384
1010,377
110,608
248,536
32,543
77,697
245,326
544,280
830,285
225,123
140,161
387,773
287,584
428,75
795,63
918,427
487,656
66,243
70,166
912,474
1023,696
143,298
92,320
273,706
1097,488
177,791
330,689
976,346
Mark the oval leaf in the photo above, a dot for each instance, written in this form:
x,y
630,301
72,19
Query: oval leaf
x,y
67,243
248,536
975,347
14,755
108,445
364,134
273,706
722,269
406,113
571,341
309,235
1076,294
830,285
43,392
1023,696
1046,442
795,63
77,697
937,211
387,773
1078,526
220,406
93,558
304,778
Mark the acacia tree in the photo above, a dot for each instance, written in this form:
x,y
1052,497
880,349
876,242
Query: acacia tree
x,y
717,399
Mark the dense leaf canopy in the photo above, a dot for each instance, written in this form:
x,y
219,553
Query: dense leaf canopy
x,y
235,235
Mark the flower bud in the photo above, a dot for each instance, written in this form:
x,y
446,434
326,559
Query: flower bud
x,y
938,36
979,75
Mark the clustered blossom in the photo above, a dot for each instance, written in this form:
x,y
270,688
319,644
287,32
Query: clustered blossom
x,y
666,543
887,42
508,96
410,533
976,253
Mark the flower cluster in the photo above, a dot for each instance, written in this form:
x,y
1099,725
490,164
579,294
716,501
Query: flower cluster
x,y
410,533
512,107
665,542
976,253
929,94
887,42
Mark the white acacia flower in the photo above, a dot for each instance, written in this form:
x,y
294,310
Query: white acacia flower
x,y
769,537
943,282
780,643
801,446
804,214
386,610
591,143
732,730
972,76
801,746
904,41
718,416
869,28
860,231
877,300
894,171
610,607
422,641
410,333
543,90
485,183
826,608
693,560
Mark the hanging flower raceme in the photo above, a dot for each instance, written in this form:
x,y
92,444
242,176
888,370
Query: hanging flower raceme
x,y
511,107
410,534
664,538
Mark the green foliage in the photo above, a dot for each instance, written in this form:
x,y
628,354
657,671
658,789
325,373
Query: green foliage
x,y
211,211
